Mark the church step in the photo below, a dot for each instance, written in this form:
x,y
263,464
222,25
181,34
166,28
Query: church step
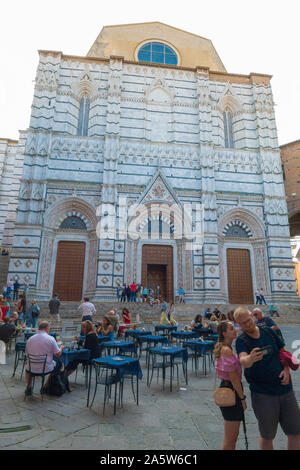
x,y
184,312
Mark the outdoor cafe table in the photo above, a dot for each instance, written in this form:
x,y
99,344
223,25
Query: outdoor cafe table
x,y
136,333
165,328
170,352
200,348
151,339
69,355
119,346
184,336
126,366
203,332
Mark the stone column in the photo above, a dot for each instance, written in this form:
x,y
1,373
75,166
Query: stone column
x,y
211,275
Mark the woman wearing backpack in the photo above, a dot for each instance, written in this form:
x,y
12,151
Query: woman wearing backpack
x,y
32,313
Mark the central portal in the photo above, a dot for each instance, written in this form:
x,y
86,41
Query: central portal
x,y
157,270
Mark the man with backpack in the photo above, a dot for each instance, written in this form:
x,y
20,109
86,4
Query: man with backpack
x,y
272,395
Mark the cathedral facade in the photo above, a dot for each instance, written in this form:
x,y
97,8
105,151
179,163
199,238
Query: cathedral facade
x,y
147,126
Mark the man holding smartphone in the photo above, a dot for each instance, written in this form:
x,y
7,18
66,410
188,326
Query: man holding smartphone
x,y
272,395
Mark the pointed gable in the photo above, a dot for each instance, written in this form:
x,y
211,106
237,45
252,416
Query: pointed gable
x,y
158,190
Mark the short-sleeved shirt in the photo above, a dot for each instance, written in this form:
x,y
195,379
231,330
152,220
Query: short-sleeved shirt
x,y
181,291
263,376
87,308
40,344
133,287
226,364
265,321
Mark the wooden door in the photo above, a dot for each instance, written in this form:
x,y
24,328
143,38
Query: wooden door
x,y
159,255
157,276
240,290
69,270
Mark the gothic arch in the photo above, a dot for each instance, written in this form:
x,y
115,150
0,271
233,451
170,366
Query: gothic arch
x,y
243,218
239,225
229,101
74,206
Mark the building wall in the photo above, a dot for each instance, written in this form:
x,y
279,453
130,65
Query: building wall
x,y
155,134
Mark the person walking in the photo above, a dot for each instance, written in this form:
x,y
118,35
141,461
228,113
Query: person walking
x,y
262,298
229,371
54,307
258,299
87,309
272,395
32,314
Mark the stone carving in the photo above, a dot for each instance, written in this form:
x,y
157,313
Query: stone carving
x,y
46,78
84,85
77,148
159,92
236,161
263,99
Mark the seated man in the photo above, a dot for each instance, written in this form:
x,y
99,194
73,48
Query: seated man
x,y
42,344
7,330
273,310
262,320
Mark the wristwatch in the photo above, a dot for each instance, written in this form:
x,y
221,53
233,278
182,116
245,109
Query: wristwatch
x,y
244,398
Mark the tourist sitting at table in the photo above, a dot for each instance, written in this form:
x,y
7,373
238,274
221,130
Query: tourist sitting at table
x,y
126,315
196,323
7,330
42,344
4,308
90,342
106,329
212,324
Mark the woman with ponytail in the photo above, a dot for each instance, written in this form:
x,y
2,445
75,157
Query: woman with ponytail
x,y
230,372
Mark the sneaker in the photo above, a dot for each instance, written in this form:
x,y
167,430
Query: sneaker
x,y
28,392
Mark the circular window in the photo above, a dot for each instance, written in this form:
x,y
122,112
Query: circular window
x,y
158,53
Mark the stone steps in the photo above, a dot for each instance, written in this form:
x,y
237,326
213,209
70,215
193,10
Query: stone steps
x,y
148,314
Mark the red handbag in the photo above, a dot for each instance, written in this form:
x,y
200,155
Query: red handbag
x,y
287,359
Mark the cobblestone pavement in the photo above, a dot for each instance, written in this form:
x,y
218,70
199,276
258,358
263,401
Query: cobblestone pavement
x,y
187,418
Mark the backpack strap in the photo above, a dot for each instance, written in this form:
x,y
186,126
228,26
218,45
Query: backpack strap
x,y
268,331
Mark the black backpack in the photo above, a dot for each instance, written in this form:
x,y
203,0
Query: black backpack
x,y
57,384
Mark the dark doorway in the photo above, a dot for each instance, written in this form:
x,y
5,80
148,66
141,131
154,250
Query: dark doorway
x,y
157,269
69,270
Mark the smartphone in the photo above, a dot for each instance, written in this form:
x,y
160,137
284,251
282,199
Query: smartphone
x,y
266,350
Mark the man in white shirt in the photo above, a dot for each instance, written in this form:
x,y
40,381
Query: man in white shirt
x,y
41,344
88,309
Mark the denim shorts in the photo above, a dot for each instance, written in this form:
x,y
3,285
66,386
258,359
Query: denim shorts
x,y
271,410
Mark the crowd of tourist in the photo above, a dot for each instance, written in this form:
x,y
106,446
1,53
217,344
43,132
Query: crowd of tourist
x,y
249,341
141,294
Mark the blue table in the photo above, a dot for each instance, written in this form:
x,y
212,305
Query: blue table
x,y
167,328
125,366
170,352
200,348
136,333
74,355
203,331
151,339
120,346
184,335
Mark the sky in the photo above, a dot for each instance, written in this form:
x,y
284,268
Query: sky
x,y
261,36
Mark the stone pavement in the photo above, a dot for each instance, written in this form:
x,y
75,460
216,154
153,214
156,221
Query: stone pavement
x,y
183,419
